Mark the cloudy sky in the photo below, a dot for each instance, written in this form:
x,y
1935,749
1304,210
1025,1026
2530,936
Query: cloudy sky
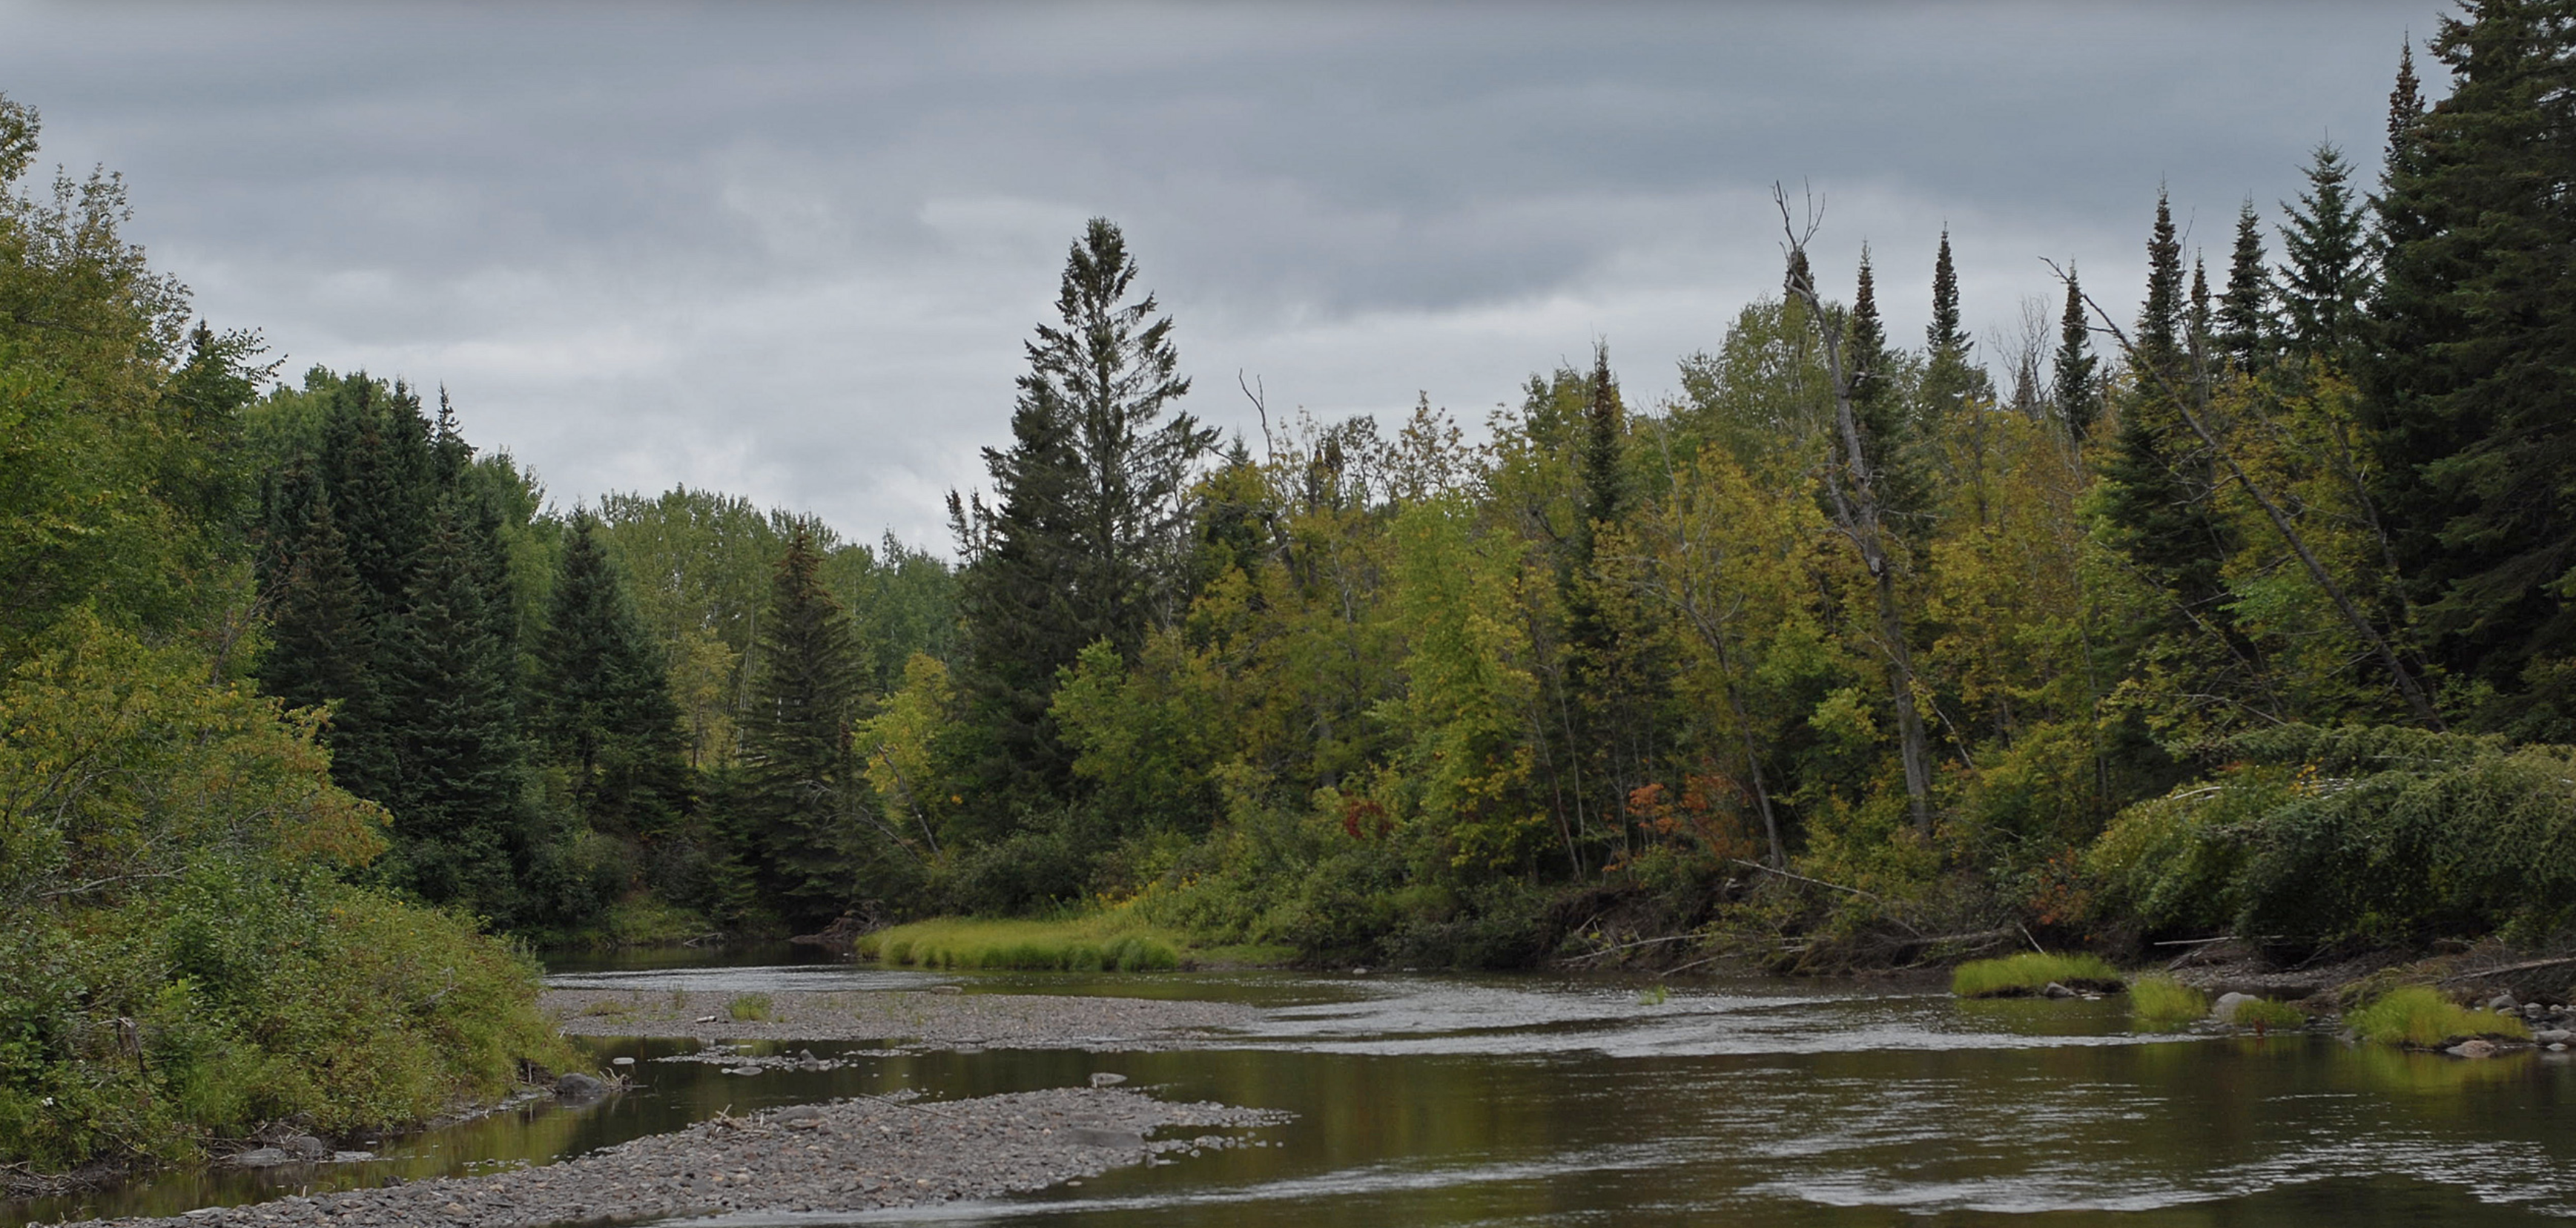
x,y
791,250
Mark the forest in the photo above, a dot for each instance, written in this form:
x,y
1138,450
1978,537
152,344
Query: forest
x,y
2234,603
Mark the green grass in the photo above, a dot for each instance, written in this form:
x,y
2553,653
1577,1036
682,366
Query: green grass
x,y
2419,1016
2163,1002
2269,1015
1093,943
2027,974
1654,995
751,1007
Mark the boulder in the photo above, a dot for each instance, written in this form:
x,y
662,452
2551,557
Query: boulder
x,y
304,1147
2056,990
2472,1048
2504,1004
2224,1010
578,1086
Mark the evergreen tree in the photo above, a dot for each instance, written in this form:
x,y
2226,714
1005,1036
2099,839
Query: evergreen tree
x,y
1090,535
2323,284
2160,317
2244,311
1942,335
2077,394
603,705
2473,329
795,812
322,647
1890,442
452,720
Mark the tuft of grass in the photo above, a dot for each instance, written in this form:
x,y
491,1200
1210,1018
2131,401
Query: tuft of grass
x,y
2266,1014
2028,974
2163,1002
1095,943
2419,1016
751,1007
1655,995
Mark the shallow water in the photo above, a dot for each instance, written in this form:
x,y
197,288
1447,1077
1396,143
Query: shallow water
x,y
1527,1101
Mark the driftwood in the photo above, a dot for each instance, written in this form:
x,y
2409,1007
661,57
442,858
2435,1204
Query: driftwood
x,y
2525,966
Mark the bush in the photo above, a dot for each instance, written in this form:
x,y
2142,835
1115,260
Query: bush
x,y
2163,1002
2029,973
2379,834
2421,1017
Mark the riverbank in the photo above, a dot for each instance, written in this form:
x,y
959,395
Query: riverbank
x,y
929,1018
852,1155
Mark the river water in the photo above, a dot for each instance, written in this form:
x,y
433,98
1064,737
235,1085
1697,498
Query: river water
x,y
1446,1100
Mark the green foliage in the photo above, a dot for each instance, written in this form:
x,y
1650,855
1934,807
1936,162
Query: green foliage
x,y
2419,1016
2378,833
2031,972
2163,1002
603,710
750,1008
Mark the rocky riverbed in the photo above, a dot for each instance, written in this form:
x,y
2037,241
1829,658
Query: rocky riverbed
x,y
924,1018
843,1156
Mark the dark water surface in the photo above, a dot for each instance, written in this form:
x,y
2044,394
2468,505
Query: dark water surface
x,y
1436,1100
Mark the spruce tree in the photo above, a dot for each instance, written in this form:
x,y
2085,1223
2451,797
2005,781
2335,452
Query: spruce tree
x,y
2244,311
794,814
603,707
2077,393
2327,274
2472,331
1889,441
2160,317
451,716
1089,538
1942,335
322,648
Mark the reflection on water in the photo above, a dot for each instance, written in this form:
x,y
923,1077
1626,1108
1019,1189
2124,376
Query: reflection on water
x,y
1492,1101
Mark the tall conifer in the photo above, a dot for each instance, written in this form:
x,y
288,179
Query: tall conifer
x,y
603,704
2327,274
795,814
2077,393
2244,311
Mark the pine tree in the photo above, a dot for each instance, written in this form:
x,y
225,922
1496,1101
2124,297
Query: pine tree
x,y
2077,394
1942,335
2472,330
1090,535
795,812
2323,284
1890,439
2244,311
603,706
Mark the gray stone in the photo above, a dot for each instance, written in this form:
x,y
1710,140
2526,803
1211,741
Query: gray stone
x,y
2553,1036
800,1112
2503,1002
621,1061
2224,1010
2472,1048
742,1070
1085,1136
2056,990
579,1086
261,1157
1105,1079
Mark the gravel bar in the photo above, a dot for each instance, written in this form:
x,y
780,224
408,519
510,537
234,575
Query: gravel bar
x,y
927,1019
847,1155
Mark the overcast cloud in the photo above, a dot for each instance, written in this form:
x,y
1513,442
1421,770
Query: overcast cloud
x,y
792,251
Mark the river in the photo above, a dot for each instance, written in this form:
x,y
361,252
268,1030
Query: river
x,y
1532,1100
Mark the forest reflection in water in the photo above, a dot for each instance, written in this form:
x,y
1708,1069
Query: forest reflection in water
x,y
1427,1099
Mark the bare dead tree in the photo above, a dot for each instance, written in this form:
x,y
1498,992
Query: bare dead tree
x,y
1852,500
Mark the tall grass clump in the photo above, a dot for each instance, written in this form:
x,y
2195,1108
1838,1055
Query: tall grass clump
x,y
2421,1017
1078,944
2163,1002
2030,973
2267,1015
751,1008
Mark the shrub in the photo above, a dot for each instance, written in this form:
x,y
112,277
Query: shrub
x,y
2163,1002
2029,973
2421,1017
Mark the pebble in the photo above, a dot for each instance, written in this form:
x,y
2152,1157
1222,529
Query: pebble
x,y
842,1157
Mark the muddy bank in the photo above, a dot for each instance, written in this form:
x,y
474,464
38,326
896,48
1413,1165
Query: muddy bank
x,y
940,1020
848,1155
